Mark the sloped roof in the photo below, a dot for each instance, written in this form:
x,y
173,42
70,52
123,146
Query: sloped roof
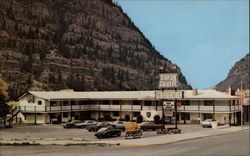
x,y
129,95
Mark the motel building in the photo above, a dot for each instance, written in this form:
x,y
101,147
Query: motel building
x,y
193,105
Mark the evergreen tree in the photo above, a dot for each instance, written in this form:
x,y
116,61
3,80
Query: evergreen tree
x,y
4,108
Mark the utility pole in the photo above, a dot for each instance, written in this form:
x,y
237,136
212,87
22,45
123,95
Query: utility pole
x,y
241,94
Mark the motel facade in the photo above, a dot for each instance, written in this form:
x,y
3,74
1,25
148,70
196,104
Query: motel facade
x,y
193,106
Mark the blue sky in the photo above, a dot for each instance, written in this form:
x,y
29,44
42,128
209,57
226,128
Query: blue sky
x,y
203,37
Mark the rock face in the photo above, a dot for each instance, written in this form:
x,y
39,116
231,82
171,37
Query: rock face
x,y
233,79
77,44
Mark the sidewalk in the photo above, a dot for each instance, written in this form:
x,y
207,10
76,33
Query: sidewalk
x,y
157,140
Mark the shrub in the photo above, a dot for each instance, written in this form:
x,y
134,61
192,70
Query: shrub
x,y
157,119
127,117
139,119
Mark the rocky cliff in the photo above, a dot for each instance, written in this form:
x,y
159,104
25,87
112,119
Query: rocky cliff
x,y
77,44
240,68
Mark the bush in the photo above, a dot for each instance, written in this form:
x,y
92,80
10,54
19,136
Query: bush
x,y
157,119
139,119
127,117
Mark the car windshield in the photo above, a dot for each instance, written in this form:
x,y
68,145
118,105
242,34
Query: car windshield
x,y
102,129
100,124
208,120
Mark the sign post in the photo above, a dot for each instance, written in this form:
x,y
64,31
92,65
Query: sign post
x,y
169,80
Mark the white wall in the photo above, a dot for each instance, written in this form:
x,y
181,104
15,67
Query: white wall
x,y
153,113
24,101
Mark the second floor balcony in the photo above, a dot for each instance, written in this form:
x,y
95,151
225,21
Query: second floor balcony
x,y
135,108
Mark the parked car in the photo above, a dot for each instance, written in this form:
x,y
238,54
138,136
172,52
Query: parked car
x,y
150,126
71,124
208,123
100,125
119,125
107,132
86,124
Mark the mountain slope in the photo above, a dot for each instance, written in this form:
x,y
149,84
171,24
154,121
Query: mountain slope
x,y
78,44
233,79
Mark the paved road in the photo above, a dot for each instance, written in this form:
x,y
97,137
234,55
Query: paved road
x,y
57,131
234,144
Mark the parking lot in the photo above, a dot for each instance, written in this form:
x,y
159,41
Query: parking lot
x,y
57,131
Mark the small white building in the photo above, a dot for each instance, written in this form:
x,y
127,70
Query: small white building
x,y
194,105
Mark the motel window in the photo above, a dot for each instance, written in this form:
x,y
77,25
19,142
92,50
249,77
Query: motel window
x,y
116,102
73,102
40,102
52,103
209,102
105,102
233,102
147,103
187,103
65,103
83,102
136,102
185,115
116,114
65,114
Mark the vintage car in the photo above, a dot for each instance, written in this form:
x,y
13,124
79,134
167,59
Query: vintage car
x,y
107,132
208,123
150,126
71,124
86,124
119,125
100,125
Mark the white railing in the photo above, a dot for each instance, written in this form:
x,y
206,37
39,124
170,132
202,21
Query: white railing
x,y
191,108
40,108
159,108
148,107
115,107
136,107
206,108
76,107
105,107
127,107
209,108
222,108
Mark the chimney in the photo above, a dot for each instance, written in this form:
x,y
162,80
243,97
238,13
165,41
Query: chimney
x,y
195,91
230,90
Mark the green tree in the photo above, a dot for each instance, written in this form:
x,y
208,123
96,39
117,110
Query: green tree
x,y
4,108
157,119
139,119
127,118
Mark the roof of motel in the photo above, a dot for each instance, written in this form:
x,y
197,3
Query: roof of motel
x,y
139,95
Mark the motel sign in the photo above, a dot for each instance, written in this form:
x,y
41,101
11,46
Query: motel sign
x,y
168,80
169,95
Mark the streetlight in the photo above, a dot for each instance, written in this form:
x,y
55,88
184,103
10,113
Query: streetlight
x,y
241,88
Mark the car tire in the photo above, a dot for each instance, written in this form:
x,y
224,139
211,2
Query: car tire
x,y
99,136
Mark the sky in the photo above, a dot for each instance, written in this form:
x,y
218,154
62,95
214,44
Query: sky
x,y
203,37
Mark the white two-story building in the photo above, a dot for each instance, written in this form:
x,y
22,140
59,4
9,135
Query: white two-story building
x,y
196,105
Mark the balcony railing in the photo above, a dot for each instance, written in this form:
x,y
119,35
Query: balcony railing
x,y
209,108
126,108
